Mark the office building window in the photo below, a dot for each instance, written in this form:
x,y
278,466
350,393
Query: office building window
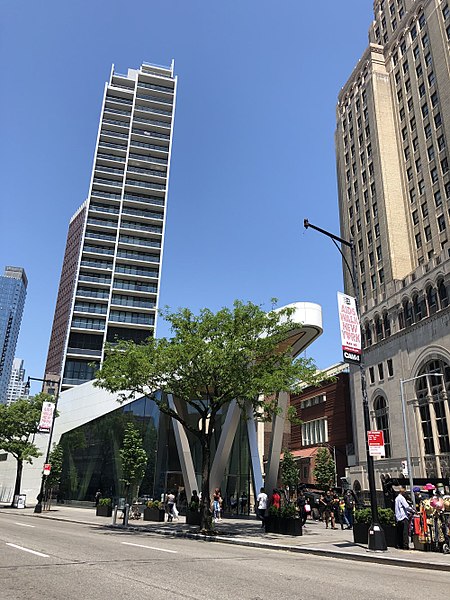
x,y
314,432
381,410
371,375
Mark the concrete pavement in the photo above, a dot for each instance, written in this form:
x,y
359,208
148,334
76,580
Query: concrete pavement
x,y
65,560
248,532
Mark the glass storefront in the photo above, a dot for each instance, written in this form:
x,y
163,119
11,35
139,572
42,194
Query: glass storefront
x,y
91,459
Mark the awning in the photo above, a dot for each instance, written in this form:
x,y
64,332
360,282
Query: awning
x,y
304,452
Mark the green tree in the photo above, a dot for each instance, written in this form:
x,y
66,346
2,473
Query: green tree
x,y
290,474
210,360
18,425
134,461
324,468
54,479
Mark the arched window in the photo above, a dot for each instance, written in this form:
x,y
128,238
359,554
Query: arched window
x,y
419,308
431,384
432,300
378,329
386,325
442,293
368,335
408,313
381,410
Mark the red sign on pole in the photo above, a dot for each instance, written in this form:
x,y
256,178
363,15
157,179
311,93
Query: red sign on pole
x,y
375,440
47,468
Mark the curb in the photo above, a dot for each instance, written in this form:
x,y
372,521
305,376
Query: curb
x,y
351,556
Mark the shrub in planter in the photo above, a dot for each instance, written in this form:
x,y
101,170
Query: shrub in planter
x,y
363,518
154,511
283,521
193,516
104,508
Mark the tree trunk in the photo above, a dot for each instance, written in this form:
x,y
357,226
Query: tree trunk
x,y
206,515
18,479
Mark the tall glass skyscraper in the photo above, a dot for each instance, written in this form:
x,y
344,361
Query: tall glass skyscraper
x,y
13,291
109,283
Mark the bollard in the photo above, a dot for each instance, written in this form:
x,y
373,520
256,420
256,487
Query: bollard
x,y
125,515
115,515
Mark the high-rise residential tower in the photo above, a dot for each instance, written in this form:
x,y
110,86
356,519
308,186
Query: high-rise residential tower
x,y
393,155
17,387
13,291
110,276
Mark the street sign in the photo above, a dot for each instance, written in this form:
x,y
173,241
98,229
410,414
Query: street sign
x,y
350,329
47,468
405,471
375,440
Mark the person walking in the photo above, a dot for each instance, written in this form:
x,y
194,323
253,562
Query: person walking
x,y
301,504
402,513
170,503
97,497
216,505
327,502
262,506
349,507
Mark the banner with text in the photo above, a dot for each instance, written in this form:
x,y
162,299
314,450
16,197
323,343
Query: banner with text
x,y
45,424
350,328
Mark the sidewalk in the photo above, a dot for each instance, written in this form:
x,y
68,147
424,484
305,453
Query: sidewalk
x,y
248,532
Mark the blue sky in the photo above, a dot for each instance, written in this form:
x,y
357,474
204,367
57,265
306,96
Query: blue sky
x,y
253,149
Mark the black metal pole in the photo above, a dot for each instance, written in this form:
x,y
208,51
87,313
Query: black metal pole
x,y
38,507
377,539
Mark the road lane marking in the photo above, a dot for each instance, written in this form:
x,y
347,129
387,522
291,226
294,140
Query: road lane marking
x,y
28,550
150,547
24,524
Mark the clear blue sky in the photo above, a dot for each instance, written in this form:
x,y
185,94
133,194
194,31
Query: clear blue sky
x,y
253,149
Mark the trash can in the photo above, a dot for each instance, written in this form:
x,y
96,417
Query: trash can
x,y
20,501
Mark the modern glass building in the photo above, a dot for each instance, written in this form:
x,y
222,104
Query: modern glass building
x,y
109,284
92,459
17,387
13,291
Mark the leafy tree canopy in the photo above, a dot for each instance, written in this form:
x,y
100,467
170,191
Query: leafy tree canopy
x,y
289,471
324,468
18,423
134,458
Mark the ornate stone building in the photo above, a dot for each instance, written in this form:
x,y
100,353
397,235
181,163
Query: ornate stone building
x,y
392,136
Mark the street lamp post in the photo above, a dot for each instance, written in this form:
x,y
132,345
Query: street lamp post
x,y
38,507
405,428
377,541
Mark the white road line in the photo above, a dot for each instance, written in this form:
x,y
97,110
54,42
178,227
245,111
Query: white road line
x,y
150,547
24,524
27,550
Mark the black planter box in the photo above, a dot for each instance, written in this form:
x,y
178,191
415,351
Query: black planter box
x,y
104,511
283,526
154,514
193,517
361,534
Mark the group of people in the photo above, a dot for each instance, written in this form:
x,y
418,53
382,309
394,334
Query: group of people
x,y
335,509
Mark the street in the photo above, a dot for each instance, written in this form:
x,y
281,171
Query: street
x,y
56,560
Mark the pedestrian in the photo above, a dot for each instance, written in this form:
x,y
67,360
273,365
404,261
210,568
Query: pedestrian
x,y
327,503
402,513
262,506
170,503
216,505
301,504
97,497
195,499
275,500
349,507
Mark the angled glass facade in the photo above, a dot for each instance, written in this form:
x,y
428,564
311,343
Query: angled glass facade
x,y
92,461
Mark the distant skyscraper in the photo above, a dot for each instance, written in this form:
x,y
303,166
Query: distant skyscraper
x,y
393,164
17,384
109,285
13,291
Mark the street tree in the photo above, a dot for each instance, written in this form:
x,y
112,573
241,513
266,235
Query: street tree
x,y
290,474
18,425
211,359
324,468
53,480
134,461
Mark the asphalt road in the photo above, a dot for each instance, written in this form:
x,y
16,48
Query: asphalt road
x,y
65,561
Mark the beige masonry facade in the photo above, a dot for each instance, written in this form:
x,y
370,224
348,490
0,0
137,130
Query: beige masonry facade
x,y
392,148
